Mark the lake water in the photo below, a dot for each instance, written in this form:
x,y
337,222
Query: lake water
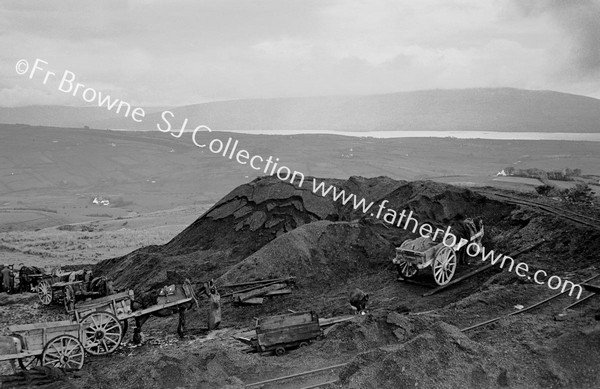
x,y
578,136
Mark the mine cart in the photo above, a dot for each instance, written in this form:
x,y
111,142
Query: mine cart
x,y
423,252
66,288
278,333
56,344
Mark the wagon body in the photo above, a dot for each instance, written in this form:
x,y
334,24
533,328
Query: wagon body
x,y
118,304
418,252
289,330
54,343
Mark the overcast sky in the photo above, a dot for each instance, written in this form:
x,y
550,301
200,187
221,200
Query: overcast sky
x,y
183,52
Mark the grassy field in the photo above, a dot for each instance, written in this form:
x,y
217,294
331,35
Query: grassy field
x,y
90,242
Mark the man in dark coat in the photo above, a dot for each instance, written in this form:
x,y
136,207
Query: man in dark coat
x,y
6,274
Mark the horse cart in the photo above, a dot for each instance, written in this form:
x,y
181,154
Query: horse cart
x,y
62,344
66,288
106,318
423,252
278,333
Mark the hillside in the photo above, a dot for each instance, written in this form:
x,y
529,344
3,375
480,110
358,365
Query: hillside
x,y
503,109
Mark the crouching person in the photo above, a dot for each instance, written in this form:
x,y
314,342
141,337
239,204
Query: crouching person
x,y
358,301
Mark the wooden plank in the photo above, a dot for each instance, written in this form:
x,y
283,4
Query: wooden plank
x,y
155,308
102,300
251,288
257,282
35,326
65,283
257,292
253,301
279,292
24,354
333,320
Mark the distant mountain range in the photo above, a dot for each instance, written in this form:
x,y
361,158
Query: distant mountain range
x,y
487,109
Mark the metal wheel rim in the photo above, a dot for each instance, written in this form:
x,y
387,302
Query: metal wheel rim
x,y
279,351
102,333
65,352
407,269
444,266
45,292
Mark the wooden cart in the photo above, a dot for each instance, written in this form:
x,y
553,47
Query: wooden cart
x,y
67,289
106,318
416,254
54,343
105,321
278,333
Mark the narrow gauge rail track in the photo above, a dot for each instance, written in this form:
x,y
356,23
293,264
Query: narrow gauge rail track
x,y
563,213
532,307
308,379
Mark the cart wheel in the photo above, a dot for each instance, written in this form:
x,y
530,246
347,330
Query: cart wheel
x,y
29,363
69,298
303,344
102,333
65,352
279,351
44,291
408,270
444,266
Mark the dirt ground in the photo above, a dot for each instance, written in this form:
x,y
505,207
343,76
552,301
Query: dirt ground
x,y
267,229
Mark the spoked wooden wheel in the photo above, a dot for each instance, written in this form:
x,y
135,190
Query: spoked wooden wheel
x,y
65,352
69,298
29,363
279,351
444,266
44,291
407,270
102,333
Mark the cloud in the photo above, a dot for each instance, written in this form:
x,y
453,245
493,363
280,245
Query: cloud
x,y
179,52
580,20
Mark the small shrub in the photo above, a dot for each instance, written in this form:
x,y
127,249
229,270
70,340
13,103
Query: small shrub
x,y
580,193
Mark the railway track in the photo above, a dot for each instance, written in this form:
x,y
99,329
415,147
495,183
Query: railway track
x,y
563,213
310,379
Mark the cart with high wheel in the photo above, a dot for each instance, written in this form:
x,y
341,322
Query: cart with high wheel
x,y
423,252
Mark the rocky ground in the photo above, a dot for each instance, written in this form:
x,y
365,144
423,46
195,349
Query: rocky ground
x,y
267,229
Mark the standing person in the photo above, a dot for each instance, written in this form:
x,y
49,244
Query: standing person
x,y
1,279
6,273
214,307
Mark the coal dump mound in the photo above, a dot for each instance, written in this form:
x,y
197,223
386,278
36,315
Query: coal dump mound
x,y
266,209
317,254
257,213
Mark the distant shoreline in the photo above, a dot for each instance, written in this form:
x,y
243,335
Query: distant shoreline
x,y
498,135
